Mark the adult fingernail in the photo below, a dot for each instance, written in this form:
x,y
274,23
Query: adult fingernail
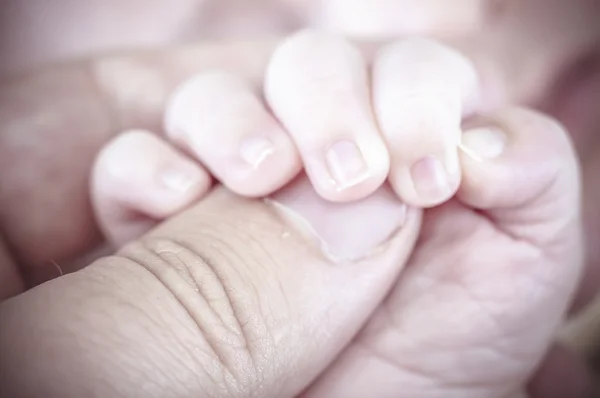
x,y
344,231
483,143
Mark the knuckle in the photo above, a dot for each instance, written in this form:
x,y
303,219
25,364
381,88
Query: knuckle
x,y
228,335
211,102
530,119
205,84
540,127
318,74
429,62
205,90
124,143
416,124
311,56
434,106
325,88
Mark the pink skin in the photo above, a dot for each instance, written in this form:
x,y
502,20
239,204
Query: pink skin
x,y
563,25
548,317
455,323
298,287
349,125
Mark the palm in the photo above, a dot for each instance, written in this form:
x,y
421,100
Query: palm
x,y
457,316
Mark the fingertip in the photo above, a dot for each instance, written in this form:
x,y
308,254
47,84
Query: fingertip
x,y
142,171
221,120
510,159
139,174
429,181
318,86
421,91
344,173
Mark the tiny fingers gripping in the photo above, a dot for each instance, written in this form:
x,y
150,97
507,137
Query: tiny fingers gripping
x,y
422,90
221,120
317,84
139,179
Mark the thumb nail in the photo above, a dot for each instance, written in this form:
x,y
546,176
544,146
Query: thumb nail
x,y
483,143
344,231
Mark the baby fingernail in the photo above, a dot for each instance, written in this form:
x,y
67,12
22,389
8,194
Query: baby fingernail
x,y
254,150
483,143
180,179
431,180
346,164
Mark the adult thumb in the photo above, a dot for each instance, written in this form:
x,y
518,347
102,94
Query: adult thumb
x,y
233,298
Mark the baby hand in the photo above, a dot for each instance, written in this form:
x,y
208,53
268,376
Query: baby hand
x,y
349,122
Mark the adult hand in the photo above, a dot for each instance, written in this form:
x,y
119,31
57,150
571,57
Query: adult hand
x,y
233,298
